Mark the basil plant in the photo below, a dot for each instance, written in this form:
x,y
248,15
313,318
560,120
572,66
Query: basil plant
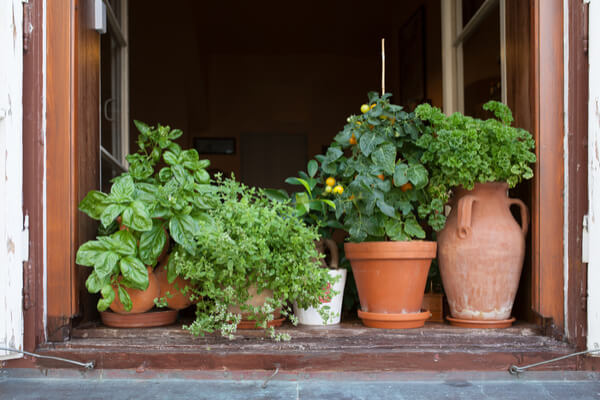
x,y
148,205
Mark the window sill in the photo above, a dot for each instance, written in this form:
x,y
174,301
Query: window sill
x,y
347,347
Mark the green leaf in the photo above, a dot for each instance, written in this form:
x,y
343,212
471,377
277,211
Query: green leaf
x,y
276,194
369,141
183,229
89,252
417,174
171,270
93,204
312,168
111,213
412,228
202,176
393,228
124,298
142,127
386,208
93,284
385,157
135,273
123,189
108,296
329,203
179,173
170,158
105,264
121,242
136,216
152,243
400,174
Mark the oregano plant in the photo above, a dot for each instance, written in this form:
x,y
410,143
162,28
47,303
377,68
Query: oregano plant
x,y
253,241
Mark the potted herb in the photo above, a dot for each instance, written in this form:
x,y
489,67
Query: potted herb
x,y
150,207
315,206
383,198
481,249
256,246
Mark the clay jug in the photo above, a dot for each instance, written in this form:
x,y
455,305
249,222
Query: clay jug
x,y
480,252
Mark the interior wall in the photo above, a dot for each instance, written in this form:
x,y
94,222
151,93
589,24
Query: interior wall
x,y
217,71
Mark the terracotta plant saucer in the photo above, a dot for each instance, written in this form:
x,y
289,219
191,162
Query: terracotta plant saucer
x,y
394,321
142,320
251,324
469,323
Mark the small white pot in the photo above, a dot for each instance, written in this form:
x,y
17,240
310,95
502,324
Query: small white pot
x,y
311,316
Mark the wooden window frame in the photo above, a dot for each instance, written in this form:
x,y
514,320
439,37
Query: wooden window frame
x,y
454,35
71,127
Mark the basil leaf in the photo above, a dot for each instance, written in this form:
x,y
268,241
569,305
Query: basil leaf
x,y
111,213
170,158
124,298
105,264
108,296
93,284
183,229
93,204
122,190
121,242
134,272
137,217
152,243
89,252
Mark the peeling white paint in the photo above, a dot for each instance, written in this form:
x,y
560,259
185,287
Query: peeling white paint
x,y
593,339
11,186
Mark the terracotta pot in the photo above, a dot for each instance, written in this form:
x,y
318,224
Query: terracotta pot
x,y
142,300
256,300
143,320
176,299
481,252
390,278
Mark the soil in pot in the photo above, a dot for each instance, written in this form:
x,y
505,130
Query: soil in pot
x,y
481,251
390,278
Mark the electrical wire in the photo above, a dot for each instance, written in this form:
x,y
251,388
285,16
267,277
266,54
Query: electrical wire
x,y
88,365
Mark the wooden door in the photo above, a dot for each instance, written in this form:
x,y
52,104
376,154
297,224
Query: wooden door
x,y
72,151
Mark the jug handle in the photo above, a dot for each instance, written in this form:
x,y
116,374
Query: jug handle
x,y
524,214
465,207
333,249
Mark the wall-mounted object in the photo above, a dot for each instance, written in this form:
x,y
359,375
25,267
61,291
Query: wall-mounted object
x,y
99,16
205,145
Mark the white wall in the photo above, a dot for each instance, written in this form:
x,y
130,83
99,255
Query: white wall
x,y
11,177
594,177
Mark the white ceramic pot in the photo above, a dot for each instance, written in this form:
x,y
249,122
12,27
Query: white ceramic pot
x,y
311,315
